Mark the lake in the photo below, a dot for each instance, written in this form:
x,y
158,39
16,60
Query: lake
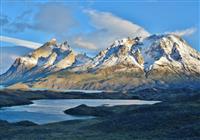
x,y
67,90
1,87
51,110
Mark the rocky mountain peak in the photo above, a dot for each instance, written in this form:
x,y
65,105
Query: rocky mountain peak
x,y
147,54
50,57
53,41
81,59
156,59
120,52
64,46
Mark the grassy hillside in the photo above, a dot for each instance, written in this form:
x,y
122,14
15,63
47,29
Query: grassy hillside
x,y
174,119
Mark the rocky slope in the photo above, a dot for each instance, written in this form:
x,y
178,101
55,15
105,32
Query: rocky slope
x,y
81,59
148,54
157,61
50,57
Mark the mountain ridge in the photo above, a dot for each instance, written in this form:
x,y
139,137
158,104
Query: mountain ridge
x,y
158,60
48,58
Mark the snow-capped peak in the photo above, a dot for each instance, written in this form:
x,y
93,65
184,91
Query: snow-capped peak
x,y
120,52
146,54
156,59
53,41
162,49
50,57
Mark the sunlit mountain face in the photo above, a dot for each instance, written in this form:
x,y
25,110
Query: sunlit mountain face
x,y
89,27
99,70
154,61
9,54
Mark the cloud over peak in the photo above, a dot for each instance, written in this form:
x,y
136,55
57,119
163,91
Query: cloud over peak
x,y
20,42
185,32
85,44
109,27
108,22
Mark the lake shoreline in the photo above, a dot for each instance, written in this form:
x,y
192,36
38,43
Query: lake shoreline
x,y
177,117
46,111
11,97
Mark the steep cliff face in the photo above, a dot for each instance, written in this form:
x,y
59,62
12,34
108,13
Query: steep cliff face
x,y
169,59
81,59
119,53
50,57
159,60
150,54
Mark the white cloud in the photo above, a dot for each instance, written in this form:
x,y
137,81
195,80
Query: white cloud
x,y
20,42
54,18
108,28
58,20
113,24
84,44
186,32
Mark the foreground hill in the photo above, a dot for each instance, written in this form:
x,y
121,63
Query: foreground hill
x,y
157,61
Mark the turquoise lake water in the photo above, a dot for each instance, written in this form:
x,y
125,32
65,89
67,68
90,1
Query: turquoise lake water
x,y
48,111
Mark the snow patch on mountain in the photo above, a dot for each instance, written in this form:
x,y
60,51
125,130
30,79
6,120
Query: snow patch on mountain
x,y
146,54
81,59
48,58
157,58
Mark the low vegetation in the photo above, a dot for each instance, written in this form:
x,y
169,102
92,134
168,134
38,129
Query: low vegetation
x,y
175,118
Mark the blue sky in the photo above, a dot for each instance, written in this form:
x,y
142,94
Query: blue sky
x,y
92,25
153,16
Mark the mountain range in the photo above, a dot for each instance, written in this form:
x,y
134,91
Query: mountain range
x,y
164,61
